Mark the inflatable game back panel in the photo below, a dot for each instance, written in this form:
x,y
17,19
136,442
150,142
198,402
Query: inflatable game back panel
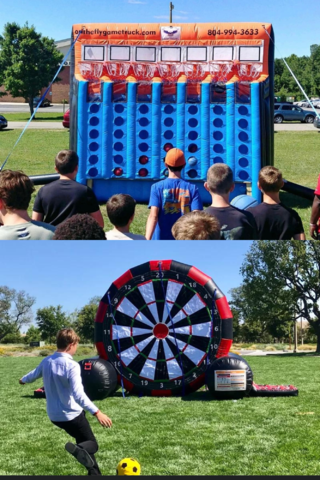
x,y
138,90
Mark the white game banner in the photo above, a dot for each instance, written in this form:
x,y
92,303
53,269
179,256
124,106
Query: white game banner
x,y
230,380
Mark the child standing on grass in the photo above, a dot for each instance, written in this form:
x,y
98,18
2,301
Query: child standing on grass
x,y
66,399
274,220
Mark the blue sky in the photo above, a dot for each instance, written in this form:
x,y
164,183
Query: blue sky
x,y
296,23
70,273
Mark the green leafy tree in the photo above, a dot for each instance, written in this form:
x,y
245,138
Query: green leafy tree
x,y
282,284
15,310
50,320
315,71
84,324
28,61
32,335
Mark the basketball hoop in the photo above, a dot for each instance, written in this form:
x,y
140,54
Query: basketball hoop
x,y
220,71
117,72
249,72
169,72
91,71
256,70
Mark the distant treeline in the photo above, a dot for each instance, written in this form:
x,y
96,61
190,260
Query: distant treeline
x,y
307,71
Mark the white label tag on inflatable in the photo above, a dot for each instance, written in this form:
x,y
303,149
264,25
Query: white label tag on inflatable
x,y
230,380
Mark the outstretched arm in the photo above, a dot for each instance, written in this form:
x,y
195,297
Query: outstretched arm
x,y
32,376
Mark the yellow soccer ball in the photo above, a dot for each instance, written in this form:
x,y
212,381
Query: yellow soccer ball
x,y
128,466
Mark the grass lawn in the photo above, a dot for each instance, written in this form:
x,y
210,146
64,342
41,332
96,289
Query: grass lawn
x,y
296,154
173,436
40,117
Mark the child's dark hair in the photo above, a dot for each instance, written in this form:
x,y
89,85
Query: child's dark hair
x,y
16,189
175,169
79,227
120,208
219,178
270,179
66,161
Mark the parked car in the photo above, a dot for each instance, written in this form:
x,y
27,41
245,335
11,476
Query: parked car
x,y
292,112
302,102
66,119
45,102
316,122
316,103
3,122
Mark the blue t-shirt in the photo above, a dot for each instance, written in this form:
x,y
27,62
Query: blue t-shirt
x,y
174,197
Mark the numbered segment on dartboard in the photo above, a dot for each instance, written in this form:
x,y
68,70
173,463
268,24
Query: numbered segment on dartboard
x,y
161,328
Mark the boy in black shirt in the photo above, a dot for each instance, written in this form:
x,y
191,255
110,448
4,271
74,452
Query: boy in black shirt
x,y
235,224
274,220
65,197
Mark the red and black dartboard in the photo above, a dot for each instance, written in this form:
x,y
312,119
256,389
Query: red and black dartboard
x,y
161,324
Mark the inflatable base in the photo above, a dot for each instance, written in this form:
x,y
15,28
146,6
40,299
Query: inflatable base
x,y
273,391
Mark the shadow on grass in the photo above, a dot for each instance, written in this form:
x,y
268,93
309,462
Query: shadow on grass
x,y
199,396
33,397
7,130
294,201
45,119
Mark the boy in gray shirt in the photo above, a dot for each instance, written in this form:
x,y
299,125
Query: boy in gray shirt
x,y
16,189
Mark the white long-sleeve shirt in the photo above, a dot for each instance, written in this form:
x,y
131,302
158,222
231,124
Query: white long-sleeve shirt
x,y
63,386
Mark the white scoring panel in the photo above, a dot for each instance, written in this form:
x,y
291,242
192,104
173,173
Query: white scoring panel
x,y
147,368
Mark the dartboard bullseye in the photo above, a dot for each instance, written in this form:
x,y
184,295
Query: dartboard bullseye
x,y
161,324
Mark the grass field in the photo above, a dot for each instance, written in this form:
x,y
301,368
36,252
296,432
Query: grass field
x,y
172,436
39,117
296,154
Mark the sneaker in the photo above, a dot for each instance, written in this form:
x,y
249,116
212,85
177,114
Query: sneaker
x,y
80,454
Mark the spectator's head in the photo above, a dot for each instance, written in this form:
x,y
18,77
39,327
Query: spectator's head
x,y
219,179
197,225
16,189
66,162
67,340
175,160
120,210
79,227
270,179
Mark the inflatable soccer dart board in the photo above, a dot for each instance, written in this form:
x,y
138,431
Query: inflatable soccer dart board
x,y
161,324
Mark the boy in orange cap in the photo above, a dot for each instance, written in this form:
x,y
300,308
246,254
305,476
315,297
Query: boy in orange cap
x,y
171,198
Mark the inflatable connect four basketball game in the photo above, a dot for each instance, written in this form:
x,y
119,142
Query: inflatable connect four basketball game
x,y
138,90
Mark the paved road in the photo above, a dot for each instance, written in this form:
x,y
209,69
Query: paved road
x,y
24,108
36,125
294,127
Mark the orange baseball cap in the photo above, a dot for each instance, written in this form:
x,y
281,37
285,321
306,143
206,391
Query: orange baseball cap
x,y
175,158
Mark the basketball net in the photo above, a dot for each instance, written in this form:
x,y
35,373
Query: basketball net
x,y
92,72
248,72
117,72
220,71
169,72
144,72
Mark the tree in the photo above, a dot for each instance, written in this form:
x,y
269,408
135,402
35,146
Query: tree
x,y
84,324
15,310
28,61
282,284
32,335
50,320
